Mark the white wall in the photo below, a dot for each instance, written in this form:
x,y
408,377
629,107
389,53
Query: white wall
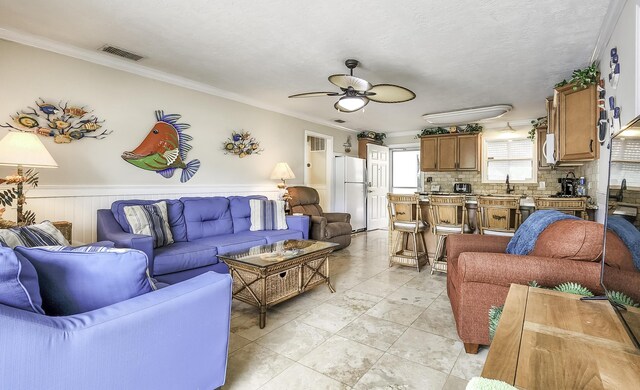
x,y
94,169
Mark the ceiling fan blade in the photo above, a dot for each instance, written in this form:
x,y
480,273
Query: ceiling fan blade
x,y
345,81
315,94
351,107
389,93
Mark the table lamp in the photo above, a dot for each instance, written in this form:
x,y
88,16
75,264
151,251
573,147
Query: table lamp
x,y
22,149
282,172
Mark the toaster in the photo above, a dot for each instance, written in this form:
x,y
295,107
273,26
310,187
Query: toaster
x,y
462,188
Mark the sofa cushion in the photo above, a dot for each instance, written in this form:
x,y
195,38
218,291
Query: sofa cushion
x,y
267,215
336,229
228,243
618,255
33,235
272,236
150,220
207,217
574,239
181,256
175,212
241,211
19,282
78,280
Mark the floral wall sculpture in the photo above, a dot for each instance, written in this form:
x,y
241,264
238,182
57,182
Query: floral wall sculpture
x,y
241,144
62,121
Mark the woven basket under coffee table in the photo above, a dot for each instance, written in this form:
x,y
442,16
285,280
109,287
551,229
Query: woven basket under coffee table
x,y
269,274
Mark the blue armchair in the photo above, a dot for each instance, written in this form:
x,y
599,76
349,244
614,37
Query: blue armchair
x,y
173,338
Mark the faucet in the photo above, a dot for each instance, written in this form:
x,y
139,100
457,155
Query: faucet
x,y
510,188
623,187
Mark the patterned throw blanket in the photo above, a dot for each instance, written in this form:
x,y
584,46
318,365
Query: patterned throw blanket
x,y
524,240
628,233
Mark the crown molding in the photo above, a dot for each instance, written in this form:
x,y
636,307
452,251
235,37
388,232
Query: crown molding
x,y
110,61
606,28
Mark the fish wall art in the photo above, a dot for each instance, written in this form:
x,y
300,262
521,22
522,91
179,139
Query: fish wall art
x,y
62,121
165,149
241,144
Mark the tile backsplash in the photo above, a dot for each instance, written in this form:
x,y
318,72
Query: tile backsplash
x,y
550,177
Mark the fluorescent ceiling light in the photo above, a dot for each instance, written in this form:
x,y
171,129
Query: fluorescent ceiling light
x,y
467,115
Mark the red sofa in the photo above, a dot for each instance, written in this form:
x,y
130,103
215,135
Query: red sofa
x,y
480,273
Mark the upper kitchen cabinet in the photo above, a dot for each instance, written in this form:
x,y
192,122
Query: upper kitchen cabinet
x,y
573,119
441,153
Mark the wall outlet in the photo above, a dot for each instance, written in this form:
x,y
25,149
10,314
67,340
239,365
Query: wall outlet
x,y
589,185
542,185
457,180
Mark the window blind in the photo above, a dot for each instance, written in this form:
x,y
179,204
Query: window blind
x,y
625,161
509,157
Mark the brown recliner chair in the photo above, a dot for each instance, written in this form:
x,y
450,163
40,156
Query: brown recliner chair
x,y
333,227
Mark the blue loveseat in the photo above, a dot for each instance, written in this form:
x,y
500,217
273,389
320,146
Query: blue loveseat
x,y
202,228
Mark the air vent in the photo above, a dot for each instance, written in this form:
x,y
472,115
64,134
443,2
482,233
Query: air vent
x,y
317,144
339,120
121,53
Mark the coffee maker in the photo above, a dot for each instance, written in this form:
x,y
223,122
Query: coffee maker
x,y
568,185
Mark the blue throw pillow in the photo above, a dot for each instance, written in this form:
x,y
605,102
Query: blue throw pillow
x,y
32,235
267,215
19,282
78,280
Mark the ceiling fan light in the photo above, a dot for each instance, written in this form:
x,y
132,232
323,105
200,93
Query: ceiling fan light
x,y
467,115
351,103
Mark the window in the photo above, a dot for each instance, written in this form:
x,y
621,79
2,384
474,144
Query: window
x,y
405,171
513,157
625,161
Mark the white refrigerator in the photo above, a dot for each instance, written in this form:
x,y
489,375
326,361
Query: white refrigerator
x,y
350,190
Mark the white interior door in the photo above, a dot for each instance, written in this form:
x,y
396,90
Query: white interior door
x,y
377,186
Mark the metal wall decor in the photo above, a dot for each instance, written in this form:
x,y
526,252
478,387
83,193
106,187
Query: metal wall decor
x,y
241,144
165,148
61,121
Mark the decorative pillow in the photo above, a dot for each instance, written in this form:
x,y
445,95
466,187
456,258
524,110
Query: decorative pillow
x,y
267,215
150,220
82,279
39,234
19,282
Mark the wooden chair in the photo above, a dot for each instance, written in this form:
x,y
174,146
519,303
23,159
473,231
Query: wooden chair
x,y
448,216
405,218
572,206
499,215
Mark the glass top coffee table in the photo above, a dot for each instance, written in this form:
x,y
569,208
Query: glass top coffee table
x,y
269,274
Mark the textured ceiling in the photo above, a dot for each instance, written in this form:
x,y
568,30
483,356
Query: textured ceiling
x,y
452,54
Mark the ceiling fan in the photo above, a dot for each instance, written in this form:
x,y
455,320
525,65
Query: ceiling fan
x,y
356,92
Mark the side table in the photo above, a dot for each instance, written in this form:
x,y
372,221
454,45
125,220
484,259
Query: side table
x,y
65,229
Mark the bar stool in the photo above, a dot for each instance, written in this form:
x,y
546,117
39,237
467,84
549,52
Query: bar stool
x,y
448,216
499,215
572,206
405,218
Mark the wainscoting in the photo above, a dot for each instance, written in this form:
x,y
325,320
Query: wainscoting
x,y
78,205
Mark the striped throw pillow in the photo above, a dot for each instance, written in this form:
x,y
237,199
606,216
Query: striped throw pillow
x,y
267,215
150,220
40,234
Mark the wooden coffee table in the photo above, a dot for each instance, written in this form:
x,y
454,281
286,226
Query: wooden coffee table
x,y
269,274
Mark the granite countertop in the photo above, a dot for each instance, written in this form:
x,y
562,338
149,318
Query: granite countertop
x,y
525,201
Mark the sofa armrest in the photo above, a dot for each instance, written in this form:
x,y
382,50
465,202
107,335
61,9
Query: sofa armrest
x,y
173,338
338,217
318,227
503,270
299,222
460,243
108,229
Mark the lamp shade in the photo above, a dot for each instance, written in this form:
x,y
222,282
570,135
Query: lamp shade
x,y
282,171
25,149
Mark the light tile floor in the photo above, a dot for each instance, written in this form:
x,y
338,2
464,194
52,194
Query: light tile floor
x,y
384,328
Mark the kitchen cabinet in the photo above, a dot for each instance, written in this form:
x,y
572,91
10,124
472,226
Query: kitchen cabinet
x,y
573,120
541,138
428,154
442,153
362,146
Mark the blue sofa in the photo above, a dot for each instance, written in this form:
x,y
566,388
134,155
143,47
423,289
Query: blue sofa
x,y
202,227
173,338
